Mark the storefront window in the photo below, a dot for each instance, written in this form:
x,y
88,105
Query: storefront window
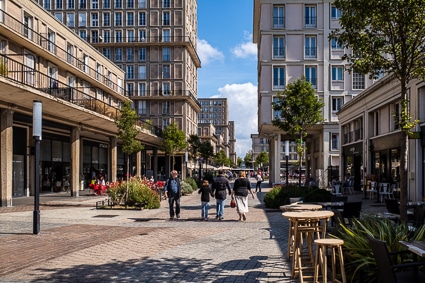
x,y
395,165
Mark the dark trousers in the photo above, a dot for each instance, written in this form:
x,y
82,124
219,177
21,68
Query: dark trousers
x,y
258,186
171,202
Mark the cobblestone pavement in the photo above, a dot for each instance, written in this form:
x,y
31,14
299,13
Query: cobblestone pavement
x,y
79,243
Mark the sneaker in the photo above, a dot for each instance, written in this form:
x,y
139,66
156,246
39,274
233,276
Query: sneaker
x,y
178,216
206,219
171,218
244,217
221,218
216,217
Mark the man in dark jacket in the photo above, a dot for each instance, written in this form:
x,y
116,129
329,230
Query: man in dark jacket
x,y
173,191
220,187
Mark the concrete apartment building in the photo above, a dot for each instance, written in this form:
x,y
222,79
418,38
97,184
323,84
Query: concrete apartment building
x,y
292,40
81,93
371,136
215,111
154,42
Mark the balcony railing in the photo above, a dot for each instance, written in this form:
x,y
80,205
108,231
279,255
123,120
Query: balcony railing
x,y
45,43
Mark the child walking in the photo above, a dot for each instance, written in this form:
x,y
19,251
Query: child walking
x,y
205,192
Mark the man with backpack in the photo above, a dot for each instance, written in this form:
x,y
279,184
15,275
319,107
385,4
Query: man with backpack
x,y
173,191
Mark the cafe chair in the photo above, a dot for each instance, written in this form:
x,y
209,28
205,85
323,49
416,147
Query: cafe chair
x,y
372,189
388,272
351,210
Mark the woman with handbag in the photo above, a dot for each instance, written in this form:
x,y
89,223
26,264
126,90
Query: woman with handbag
x,y
240,191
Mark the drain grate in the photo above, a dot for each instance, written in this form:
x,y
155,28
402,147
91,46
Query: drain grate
x,y
105,216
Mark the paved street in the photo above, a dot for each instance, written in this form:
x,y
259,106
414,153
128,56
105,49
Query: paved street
x,y
79,243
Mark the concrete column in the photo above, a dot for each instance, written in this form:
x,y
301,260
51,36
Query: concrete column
x,y
155,164
6,156
75,161
113,159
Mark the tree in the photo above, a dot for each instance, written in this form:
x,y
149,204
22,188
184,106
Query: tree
x,y
299,109
206,151
262,158
248,159
127,132
221,159
386,37
194,145
239,162
174,141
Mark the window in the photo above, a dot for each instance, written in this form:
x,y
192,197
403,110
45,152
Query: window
x,y
358,81
46,4
82,19
95,4
129,54
311,75
310,16
142,35
59,16
106,19
82,4
51,41
276,113
165,3
106,4
142,89
278,17
166,72
334,141
142,54
278,77
58,4
70,4
336,103
94,19
335,45
396,115
166,54
83,34
166,89
278,47
107,52
166,35
130,36
142,3
118,54
166,107
70,53
94,36
106,36
142,107
166,18
165,123
130,89
130,4
142,18
70,19
142,72
118,36
335,13
118,4
130,19
337,73
118,19
28,26
98,71
310,46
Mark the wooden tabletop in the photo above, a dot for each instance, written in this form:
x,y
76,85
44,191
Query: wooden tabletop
x,y
320,214
300,206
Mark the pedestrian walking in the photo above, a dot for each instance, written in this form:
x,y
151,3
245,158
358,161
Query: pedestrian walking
x,y
173,191
259,180
241,188
220,187
205,192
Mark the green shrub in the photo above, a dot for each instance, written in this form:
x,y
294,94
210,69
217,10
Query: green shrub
x,y
186,188
280,195
192,182
358,256
139,192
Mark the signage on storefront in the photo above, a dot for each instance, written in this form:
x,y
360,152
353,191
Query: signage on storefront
x,y
103,145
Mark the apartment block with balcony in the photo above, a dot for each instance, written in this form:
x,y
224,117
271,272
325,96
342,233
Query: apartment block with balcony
x,y
81,93
154,42
292,41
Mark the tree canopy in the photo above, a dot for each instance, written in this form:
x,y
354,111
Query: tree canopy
x,y
386,37
127,130
174,141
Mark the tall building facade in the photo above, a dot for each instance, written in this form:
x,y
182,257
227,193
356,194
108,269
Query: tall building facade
x,y
292,38
215,111
81,93
154,42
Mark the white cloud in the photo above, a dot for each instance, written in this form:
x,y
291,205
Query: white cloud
x,y
243,108
245,49
207,53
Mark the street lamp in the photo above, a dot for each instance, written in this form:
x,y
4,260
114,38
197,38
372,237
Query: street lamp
x,y
286,159
36,134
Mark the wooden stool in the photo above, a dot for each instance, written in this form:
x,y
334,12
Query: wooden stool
x,y
322,246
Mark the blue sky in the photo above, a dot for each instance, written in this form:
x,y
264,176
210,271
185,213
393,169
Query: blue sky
x,y
229,63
